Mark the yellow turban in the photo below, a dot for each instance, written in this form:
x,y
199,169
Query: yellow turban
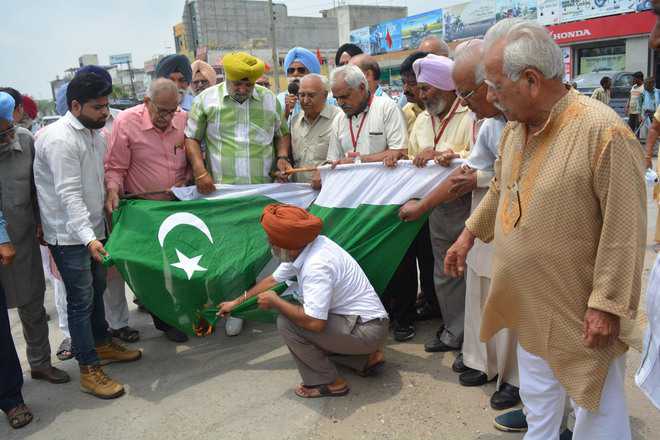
x,y
240,65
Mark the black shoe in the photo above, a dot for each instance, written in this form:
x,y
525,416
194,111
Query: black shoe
x,y
436,345
473,378
506,397
175,335
458,366
404,333
426,312
513,421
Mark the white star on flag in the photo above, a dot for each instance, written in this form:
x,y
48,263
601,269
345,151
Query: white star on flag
x,y
188,265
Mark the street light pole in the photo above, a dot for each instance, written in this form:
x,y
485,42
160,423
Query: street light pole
x,y
275,58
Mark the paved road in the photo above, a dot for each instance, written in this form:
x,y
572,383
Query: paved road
x,y
241,388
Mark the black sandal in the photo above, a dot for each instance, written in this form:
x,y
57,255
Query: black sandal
x,y
322,391
126,334
19,416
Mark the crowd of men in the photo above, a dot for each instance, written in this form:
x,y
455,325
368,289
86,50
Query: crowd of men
x,y
530,258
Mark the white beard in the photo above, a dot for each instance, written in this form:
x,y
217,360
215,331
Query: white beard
x,y
438,107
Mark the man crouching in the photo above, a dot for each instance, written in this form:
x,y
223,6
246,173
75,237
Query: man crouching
x,y
341,315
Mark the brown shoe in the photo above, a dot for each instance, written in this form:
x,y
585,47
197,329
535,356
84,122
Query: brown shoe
x,y
95,382
50,374
113,352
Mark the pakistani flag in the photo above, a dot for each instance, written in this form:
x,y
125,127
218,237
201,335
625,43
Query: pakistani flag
x,y
183,258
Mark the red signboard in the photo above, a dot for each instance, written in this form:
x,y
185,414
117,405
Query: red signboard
x,y
605,27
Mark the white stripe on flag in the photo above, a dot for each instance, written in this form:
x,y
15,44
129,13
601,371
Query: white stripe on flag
x,y
298,194
349,186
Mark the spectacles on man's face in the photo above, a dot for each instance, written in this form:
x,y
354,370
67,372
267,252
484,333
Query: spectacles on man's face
x,y
164,112
8,132
200,83
301,70
468,95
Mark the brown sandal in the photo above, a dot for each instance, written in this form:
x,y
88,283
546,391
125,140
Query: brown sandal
x,y
315,391
19,416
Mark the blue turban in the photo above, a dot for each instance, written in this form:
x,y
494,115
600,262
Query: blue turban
x,y
174,63
6,107
61,107
98,70
305,56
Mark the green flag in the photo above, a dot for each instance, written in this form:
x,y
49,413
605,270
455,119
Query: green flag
x,y
183,258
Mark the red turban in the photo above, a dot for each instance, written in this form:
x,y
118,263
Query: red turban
x,y
30,107
290,227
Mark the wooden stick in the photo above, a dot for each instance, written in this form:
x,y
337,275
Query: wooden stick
x,y
292,171
144,194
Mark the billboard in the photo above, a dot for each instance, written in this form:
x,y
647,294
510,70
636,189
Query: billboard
x,y
360,37
399,34
469,19
525,9
563,11
124,58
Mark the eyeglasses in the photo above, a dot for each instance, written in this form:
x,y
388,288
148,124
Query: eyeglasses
x,y
470,94
307,95
8,131
200,82
163,112
301,70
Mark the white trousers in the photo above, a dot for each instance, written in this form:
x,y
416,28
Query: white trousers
x,y
114,298
544,400
497,356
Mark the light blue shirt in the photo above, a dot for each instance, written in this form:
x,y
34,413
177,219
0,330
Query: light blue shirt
x,y
186,102
4,237
485,149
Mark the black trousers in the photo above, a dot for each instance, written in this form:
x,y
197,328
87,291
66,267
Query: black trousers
x,y
11,375
633,122
400,297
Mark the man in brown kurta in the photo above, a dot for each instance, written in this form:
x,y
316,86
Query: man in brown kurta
x,y
566,213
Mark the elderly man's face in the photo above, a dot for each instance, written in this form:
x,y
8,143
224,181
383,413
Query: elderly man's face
x,y
312,96
513,98
296,70
350,100
179,80
240,90
162,109
471,94
435,101
410,89
199,83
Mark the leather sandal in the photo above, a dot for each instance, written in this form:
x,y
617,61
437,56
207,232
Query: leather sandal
x,y
19,416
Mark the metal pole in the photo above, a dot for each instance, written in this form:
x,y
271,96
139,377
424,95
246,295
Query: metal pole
x,y
130,73
275,58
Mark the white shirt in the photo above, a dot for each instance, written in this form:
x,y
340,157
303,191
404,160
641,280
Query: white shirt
x,y
68,174
384,128
331,281
485,150
648,374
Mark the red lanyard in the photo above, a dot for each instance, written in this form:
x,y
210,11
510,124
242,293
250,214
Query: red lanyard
x,y
355,138
444,124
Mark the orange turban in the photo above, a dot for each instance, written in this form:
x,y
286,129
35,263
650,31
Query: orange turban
x,y
290,227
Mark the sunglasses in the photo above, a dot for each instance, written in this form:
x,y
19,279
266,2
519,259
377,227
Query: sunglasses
x,y
292,70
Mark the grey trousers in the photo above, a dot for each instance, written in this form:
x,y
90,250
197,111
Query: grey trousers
x,y
35,332
345,340
446,223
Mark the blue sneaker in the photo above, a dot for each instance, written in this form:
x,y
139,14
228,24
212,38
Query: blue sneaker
x,y
513,421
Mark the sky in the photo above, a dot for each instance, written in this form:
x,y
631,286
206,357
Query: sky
x,y
42,38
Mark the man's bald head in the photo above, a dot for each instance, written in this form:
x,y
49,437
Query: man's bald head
x,y
369,66
435,46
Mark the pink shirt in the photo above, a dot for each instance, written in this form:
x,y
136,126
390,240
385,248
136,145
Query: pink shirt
x,y
141,158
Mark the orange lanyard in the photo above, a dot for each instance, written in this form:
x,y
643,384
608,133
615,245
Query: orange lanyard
x,y
444,123
355,138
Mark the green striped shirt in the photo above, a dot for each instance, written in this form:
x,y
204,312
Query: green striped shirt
x,y
238,137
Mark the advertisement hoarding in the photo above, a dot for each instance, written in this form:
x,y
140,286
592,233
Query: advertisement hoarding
x,y
563,11
123,58
360,37
525,9
469,19
414,29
